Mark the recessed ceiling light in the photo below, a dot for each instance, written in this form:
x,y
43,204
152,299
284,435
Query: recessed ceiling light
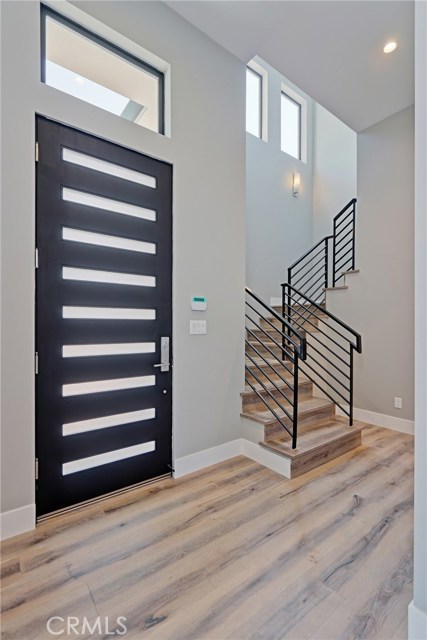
x,y
79,79
390,46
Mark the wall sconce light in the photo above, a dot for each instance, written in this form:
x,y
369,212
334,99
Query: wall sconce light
x,y
296,183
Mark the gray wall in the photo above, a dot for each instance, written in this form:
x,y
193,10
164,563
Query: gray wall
x,y
418,617
380,301
207,149
335,169
279,227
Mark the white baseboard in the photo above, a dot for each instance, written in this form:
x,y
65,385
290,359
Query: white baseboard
x,y
241,446
17,521
275,302
206,458
382,420
417,623
266,458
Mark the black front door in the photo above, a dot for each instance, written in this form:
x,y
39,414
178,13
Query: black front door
x,y
103,317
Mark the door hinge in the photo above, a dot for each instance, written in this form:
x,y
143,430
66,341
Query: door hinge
x,y
36,362
36,258
37,468
37,151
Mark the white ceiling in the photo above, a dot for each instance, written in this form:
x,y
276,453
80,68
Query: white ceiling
x,y
331,49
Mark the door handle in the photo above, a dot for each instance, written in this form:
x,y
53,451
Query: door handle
x,y
164,363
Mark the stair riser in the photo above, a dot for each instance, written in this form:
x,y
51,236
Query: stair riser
x,y
326,453
315,417
253,403
322,454
272,334
267,370
299,308
304,325
264,351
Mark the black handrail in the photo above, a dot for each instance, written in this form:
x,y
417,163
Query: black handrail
x,y
344,337
291,345
325,312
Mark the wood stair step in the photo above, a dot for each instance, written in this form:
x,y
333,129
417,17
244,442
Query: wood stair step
x,y
311,411
251,400
317,444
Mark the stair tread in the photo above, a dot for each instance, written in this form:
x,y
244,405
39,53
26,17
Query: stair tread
x,y
308,405
350,271
270,386
311,438
268,361
335,288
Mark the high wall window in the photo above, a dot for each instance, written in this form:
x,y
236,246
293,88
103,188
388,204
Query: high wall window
x,y
254,101
291,124
88,67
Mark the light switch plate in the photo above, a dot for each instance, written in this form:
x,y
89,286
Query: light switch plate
x,y
198,327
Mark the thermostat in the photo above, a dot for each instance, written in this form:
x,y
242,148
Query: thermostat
x,y
199,303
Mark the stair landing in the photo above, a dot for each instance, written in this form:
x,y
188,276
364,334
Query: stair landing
x,y
317,444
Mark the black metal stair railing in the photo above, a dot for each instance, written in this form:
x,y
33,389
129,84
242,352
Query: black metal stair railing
x,y
273,355
344,242
330,347
324,264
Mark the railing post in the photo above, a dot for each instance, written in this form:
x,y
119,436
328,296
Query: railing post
x,y
283,324
353,262
295,409
287,316
351,386
334,242
326,262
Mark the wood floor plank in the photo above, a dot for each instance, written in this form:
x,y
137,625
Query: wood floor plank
x,y
234,551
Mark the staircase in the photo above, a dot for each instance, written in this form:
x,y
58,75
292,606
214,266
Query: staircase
x,y
299,358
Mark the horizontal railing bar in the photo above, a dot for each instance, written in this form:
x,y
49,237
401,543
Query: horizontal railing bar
x,y
272,381
316,264
324,311
347,257
305,319
306,373
309,251
343,237
312,358
281,347
272,410
330,361
347,218
344,230
313,275
332,329
273,326
301,347
343,247
275,370
314,291
281,362
284,335
269,392
326,382
347,206
318,329
319,253
321,278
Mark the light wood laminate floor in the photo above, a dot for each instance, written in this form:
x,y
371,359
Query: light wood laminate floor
x,y
235,551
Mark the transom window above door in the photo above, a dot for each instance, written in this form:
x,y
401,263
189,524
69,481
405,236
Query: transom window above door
x,y
84,65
